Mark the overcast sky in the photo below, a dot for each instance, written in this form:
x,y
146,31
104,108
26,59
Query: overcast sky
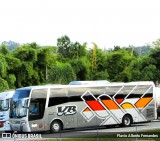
x,y
105,22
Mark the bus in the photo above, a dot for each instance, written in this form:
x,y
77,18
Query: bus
x,y
57,107
5,98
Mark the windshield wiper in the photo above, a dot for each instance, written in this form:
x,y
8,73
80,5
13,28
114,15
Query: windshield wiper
x,y
3,110
20,116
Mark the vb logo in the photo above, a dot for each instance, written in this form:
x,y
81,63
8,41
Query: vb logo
x,y
66,110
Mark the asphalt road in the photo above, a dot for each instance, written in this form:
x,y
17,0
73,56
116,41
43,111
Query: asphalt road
x,y
88,132
97,131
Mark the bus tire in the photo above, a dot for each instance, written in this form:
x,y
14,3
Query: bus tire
x,y
126,121
56,126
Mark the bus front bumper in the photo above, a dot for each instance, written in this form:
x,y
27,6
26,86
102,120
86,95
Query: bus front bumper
x,y
18,126
5,126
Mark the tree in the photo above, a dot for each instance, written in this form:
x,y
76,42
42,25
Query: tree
x,y
11,79
118,65
155,55
25,52
14,66
26,74
69,49
46,58
136,67
61,73
81,68
63,45
13,63
4,50
102,75
3,66
34,45
148,73
3,85
98,58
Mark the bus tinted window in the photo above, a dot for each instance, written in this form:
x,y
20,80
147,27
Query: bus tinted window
x,y
148,95
57,96
120,96
75,98
57,100
21,94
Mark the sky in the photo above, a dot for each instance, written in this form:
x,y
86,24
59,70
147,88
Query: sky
x,y
107,23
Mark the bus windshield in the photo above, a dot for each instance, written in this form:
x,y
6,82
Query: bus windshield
x,y
18,108
4,105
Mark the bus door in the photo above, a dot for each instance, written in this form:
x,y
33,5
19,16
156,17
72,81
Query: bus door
x,y
37,117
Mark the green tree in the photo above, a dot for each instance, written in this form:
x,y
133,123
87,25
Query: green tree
x,y
136,67
61,73
34,45
11,79
3,66
118,65
102,75
25,52
46,58
63,45
148,73
13,63
81,68
155,55
69,49
14,66
3,85
4,50
98,59
26,74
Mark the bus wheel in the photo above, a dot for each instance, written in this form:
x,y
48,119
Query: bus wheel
x,y
56,126
126,121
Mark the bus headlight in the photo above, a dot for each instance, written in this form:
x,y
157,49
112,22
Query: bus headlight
x,y
23,123
9,122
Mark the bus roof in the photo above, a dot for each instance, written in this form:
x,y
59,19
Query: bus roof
x,y
7,94
96,82
88,85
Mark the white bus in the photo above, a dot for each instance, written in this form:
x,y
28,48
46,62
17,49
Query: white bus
x,y
5,98
58,107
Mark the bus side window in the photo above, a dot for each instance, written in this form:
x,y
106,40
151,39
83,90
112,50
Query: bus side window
x,y
75,99
57,97
57,101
